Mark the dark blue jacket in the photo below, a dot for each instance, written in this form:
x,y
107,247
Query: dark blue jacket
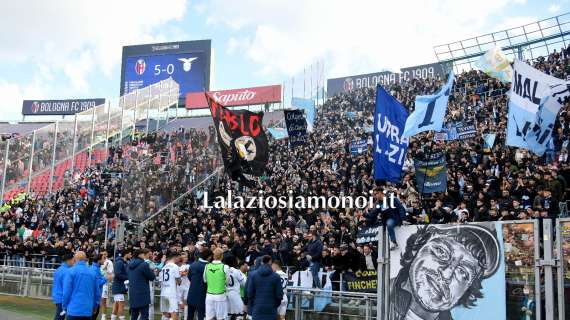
x,y
120,271
398,213
264,293
80,291
100,280
315,250
197,291
58,281
139,287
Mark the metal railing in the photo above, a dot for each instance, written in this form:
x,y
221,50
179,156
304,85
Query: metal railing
x,y
34,261
535,258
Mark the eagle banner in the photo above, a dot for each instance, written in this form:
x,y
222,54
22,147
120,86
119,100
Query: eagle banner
x,y
242,141
431,173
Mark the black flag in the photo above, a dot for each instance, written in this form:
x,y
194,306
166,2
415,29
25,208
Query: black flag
x,y
242,141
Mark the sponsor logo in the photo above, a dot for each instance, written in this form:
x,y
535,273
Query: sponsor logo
x,y
35,107
240,96
187,63
140,66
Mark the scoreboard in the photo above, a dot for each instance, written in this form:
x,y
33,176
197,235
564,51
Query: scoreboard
x,y
187,69
187,63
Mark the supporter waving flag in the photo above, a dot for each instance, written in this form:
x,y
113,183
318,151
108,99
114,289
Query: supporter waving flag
x,y
430,111
390,146
540,132
242,141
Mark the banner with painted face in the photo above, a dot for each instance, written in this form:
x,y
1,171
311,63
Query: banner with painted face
x,y
527,88
448,272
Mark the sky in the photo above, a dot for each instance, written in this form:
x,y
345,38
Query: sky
x,y
60,49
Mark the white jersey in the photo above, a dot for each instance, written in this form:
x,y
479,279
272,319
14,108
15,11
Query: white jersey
x,y
284,281
237,280
168,275
107,269
185,283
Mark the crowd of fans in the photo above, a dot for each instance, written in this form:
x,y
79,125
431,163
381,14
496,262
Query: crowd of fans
x,y
484,184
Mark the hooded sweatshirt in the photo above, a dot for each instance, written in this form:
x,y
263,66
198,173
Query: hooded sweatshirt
x,y
139,275
264,293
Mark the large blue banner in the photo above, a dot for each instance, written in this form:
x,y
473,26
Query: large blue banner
x,y
296,127
390,146
431,173
527,87
430,111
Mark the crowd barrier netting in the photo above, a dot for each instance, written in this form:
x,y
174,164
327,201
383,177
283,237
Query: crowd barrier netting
x,y
159,173
40,161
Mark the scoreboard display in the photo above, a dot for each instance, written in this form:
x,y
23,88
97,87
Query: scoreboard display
x,y
187,63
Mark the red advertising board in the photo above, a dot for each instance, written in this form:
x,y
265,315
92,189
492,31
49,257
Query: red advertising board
x,y
236,97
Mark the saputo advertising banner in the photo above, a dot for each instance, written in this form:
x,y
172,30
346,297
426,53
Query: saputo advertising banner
x,y
58,107
370,80
236,97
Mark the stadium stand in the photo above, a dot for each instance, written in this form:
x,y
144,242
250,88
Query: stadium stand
x,y
484,184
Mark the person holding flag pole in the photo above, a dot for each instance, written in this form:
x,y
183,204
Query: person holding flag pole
x,y
429,114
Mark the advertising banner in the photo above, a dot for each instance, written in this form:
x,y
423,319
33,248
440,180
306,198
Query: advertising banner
x,y
431,173
296,127
448,272
236,97
370,80
59,107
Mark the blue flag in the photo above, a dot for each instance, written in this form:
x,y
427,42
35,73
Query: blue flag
x,y
308,105
390,146
430,111
489,139
540,132
278,133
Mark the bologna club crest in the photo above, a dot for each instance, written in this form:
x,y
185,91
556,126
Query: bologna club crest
x,y
348,85
35,107
140,66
